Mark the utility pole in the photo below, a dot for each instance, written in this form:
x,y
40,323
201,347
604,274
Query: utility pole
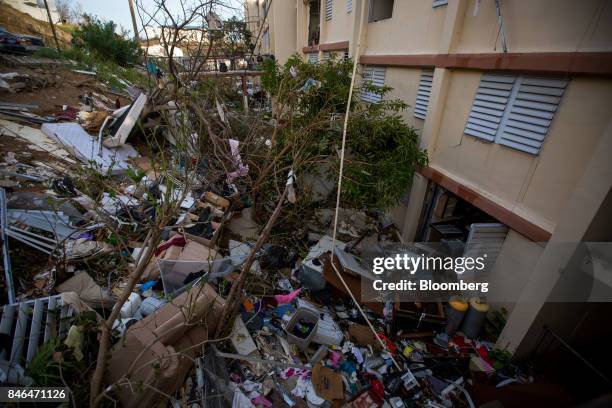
x,y
131,3
52,26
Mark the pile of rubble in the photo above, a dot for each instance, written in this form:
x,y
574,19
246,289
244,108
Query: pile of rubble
x,y
298,338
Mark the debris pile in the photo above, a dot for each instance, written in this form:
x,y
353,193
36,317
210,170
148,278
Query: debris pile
x,y
129,215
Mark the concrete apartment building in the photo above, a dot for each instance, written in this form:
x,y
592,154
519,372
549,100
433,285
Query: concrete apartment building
x,y
513,104
35,8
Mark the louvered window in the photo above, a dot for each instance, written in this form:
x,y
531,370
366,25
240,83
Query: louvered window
x,y
485,240
313,58
349,6
328,9
376,77
438,3
326,56
346,54
515,111
423,94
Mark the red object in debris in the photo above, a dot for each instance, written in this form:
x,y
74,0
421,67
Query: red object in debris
x,y
388,343
377,388
177,240
70,113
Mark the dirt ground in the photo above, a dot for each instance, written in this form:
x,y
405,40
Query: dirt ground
x,y
17,22
64,88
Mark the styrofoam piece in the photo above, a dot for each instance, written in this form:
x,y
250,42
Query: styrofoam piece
x,y
86,147
328,332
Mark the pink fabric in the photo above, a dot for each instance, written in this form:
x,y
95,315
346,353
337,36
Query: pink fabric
x,y
282,299
262,401
177,240
335,358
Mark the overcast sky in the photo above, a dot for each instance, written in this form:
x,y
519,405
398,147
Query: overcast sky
x,y
119,10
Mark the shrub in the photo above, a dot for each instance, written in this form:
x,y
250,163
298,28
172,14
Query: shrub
x,y
382,149
100,38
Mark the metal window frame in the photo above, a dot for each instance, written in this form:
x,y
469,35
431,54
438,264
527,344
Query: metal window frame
x,y
439,3
329,9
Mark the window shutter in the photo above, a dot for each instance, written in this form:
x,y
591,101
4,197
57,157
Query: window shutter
x,y
349,6
423,94
489,106
530,113
346,54
485,238
376,77
326,55
328,9
313,58
438,3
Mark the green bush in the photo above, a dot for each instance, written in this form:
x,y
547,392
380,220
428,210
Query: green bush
x,y
100,38
382,149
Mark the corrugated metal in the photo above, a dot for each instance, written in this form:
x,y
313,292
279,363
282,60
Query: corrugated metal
x,y
328,9
313,58
530,113
423,94
485,240
438,3
349,6
489,106
376,77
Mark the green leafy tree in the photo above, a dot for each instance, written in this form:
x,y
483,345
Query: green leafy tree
x,y
309,108
100,38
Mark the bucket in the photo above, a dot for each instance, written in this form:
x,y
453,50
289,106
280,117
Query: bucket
x,y
455,310
474,318
302,317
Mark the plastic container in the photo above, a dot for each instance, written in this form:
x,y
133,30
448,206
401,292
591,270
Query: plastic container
x,y
474,318
455,311
131,305
306,315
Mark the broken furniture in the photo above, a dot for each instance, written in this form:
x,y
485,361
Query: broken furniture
x,y
123,121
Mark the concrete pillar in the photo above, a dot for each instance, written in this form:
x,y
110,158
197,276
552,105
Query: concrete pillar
x,y
574,222
453,24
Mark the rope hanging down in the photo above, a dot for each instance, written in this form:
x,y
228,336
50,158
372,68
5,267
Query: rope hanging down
x,y
333,247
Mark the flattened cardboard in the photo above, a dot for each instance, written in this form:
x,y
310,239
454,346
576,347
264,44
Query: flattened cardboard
x,y
327,383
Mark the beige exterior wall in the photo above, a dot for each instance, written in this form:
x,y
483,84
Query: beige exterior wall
x,y
279,24
283,32
415,28
538,25
405,84
340,27
535,187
